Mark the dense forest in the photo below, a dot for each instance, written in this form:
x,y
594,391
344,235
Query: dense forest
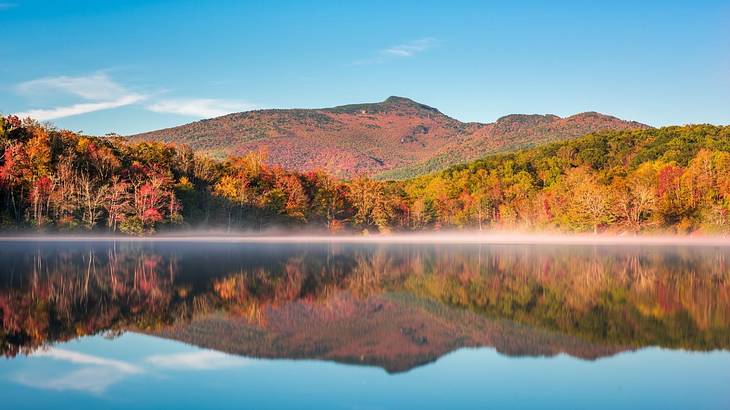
x,y
672,179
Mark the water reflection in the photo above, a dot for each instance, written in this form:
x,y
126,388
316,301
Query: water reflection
x,y
394,306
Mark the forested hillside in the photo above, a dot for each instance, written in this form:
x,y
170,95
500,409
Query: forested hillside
x,y
674,179
397,138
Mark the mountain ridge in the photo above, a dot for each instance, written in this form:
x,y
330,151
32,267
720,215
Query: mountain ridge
x,y
396,332
396,137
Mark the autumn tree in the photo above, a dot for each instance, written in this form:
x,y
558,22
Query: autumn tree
x,y
370,203
153,199
117,203
486,194
673,198
636,196
295,199
15,176
588,204
707,182
328,199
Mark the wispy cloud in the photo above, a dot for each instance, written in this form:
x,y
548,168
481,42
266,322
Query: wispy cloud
x,y
200,107
98,90
404,50
76,109
412,48
201,360
97,86
82,358
95,380
94,376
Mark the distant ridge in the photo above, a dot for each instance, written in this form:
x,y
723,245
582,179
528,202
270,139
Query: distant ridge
x,y
395,138
397,332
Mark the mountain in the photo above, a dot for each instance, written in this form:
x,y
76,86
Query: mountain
x,y
396,138
395,331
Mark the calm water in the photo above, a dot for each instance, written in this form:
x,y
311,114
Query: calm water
x,y
192,325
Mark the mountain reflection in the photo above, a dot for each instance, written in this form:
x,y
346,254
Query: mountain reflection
x,y
394,306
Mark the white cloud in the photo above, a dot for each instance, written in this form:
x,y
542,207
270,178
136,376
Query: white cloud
x,y
95,380
100,92
412,48
201,360
200,107
82,358
404,50
82,108
95,375
97,86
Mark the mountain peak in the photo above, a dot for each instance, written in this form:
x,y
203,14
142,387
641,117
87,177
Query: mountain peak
x,y
527,119
394,99
392,103
597,117
592,114
396,134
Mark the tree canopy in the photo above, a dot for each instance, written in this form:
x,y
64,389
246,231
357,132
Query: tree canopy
x,y
674,179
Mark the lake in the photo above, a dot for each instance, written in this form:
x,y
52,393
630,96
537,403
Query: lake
x,y
193,325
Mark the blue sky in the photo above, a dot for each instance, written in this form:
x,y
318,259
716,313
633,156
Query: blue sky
x,y
141,371
131,66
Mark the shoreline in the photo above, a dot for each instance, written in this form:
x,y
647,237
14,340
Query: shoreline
x,y
492,238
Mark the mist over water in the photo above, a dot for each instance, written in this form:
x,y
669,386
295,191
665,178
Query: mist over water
x,y
449,237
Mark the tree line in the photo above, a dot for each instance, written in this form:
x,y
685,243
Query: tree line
x,y
626,298
672,179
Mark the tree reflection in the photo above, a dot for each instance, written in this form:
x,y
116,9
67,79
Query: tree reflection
x,y
620,297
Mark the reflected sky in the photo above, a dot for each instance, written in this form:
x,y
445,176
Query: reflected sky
x,y
104,325
146,372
